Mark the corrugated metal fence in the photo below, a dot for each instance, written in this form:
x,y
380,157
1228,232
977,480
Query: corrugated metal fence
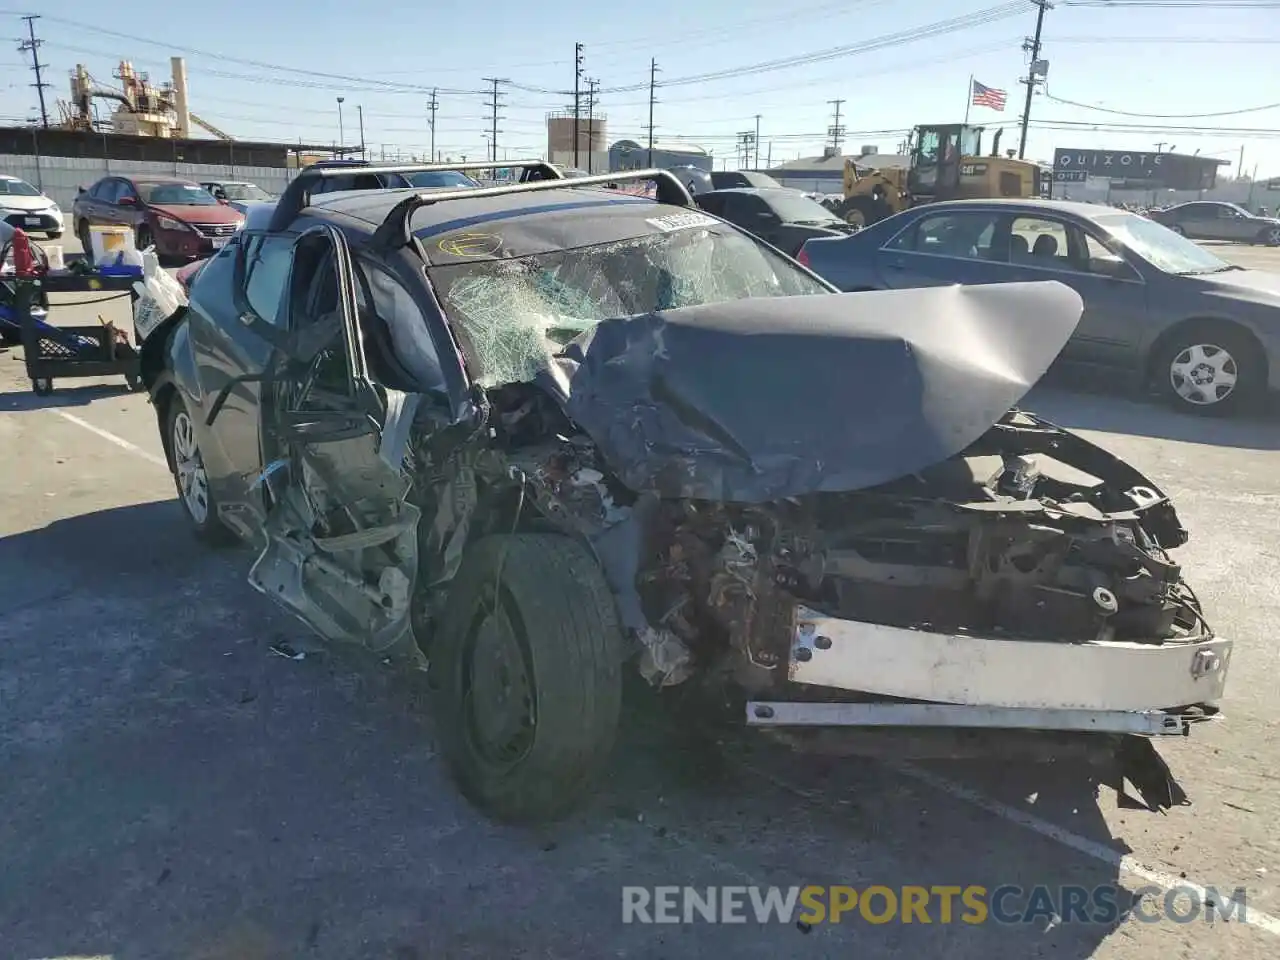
x,y
60,177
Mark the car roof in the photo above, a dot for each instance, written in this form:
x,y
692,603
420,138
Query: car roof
x,y
150,178
765,192
517,224
372,206
1090,211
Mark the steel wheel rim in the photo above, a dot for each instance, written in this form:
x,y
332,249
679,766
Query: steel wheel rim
x,y
193,481
1203,374
498,703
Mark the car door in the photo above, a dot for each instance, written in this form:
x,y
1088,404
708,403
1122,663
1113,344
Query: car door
x,y
1238,225
341,537
238,297
1114,293
937,249
1196,220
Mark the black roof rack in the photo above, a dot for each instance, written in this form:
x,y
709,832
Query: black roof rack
x,y
297,195
395,230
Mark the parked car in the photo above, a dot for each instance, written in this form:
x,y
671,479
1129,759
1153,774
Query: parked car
x,y
524,439
1203,333
1212,220
181,218
730,179
238,193
781,217
388,179
22,205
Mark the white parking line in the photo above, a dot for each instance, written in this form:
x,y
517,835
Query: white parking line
x,y
112,438
1090,848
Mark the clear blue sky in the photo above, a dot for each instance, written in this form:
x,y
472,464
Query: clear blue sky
x,y
1147,61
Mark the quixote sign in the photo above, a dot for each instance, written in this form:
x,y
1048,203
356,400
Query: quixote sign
x,y
1117,164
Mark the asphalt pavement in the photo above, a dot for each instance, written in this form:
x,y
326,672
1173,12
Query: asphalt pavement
x,y
173,789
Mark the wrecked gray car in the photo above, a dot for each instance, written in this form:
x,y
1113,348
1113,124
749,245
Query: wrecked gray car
x,y
527,437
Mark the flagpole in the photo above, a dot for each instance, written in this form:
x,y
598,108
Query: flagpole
x,y
968,101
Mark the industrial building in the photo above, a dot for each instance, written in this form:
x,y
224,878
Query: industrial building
x,y
825,173
148,132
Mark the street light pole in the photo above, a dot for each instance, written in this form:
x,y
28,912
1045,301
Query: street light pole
x,y
341,139
360,114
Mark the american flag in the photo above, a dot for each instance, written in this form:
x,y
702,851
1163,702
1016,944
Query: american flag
x,y
984,96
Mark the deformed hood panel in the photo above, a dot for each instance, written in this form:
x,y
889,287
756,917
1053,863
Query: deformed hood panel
x,y
756,400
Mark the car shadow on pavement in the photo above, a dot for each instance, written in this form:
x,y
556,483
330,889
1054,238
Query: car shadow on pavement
x,y
26,401
1074,403
157,750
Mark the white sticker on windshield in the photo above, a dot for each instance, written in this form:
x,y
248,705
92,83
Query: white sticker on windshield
x,y
682,221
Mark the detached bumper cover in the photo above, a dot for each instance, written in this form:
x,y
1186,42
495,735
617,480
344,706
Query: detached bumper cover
x,y
996,672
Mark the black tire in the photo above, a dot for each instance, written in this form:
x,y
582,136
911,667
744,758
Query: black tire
x,y
862,211
42,386
142,238
55,234
86,244
1270,236
134,382
1180,231
561,616
1203,343
204,523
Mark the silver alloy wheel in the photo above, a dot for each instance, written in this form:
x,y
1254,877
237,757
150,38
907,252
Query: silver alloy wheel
x,y
1273,236
1203,374
193,481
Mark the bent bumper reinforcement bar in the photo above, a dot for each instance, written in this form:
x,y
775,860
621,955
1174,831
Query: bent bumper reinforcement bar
x,y
794,714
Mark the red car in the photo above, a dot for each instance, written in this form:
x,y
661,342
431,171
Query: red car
x,y
181,218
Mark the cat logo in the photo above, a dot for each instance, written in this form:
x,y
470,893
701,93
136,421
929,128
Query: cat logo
x,y
470,245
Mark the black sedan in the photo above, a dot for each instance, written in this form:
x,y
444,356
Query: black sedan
x,y
778,216
1202,332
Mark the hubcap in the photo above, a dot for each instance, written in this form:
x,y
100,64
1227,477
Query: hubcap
x,y
1274,236
499,701
1203,374
192,479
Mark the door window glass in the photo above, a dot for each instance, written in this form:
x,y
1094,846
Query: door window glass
x,y
397,339
267,262
966,235
1040,242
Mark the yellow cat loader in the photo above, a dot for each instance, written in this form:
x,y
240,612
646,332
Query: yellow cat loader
x,y
947,163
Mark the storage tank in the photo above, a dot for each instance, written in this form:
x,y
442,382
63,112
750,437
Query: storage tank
x,y
592,140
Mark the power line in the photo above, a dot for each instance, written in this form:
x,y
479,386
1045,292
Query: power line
x,y
1163,116
33,45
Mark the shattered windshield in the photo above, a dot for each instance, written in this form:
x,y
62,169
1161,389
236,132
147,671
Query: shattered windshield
x,y
512,315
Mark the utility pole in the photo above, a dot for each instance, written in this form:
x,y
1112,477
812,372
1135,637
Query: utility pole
x,y
757,141
591,118
341,136
494,103
360,115
745,140
1034,73
836,130
653,98
34,46
577,94
432,105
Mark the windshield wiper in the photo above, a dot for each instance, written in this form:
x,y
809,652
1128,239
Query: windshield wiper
x,y
1201,273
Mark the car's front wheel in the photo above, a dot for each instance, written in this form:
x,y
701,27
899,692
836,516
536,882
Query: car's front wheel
x,y
527,666
190,476
1270,236
55,234
1179,230
1210,369
85,238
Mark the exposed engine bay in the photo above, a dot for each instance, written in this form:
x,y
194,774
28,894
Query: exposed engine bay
x,y
990,541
